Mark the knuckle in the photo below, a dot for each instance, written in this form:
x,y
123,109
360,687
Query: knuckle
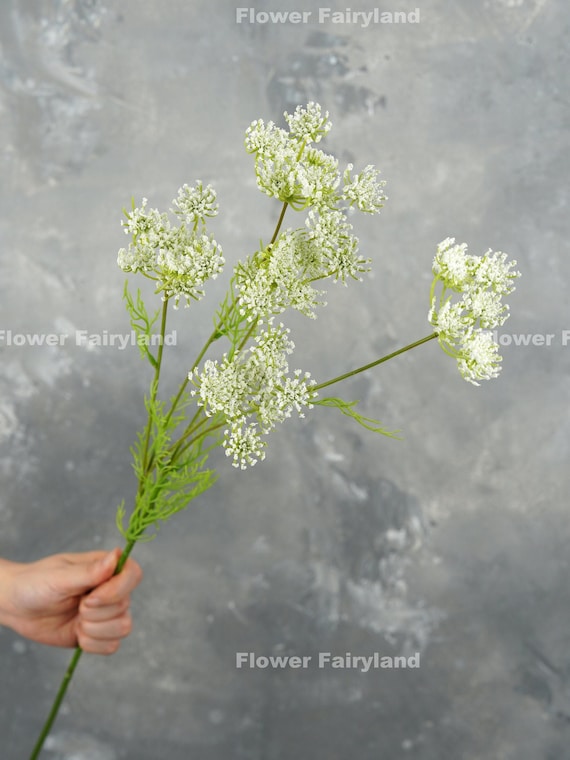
x,y
86,643
121,606
107,648
136,573
126,625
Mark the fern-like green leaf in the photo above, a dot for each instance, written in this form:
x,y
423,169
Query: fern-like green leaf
x,y
347,407
141,323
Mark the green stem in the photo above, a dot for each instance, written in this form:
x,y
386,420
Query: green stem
x,y
248,335
216,332
374,364
69,673
161,343
192,441
214,336
122,559
279,223
57,702
154,385
273,239
192,428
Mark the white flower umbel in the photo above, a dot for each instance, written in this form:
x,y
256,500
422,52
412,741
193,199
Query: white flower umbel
x,y
266,140
365,190
254,391
243,442
308,124
452,265
463,326
330,231
320,178
179,259
185,263
287,167
145,225
279,278
147,228
194,204
479,359
494,271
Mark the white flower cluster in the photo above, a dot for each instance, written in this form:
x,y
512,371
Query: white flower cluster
x,y
364,191
464,326
179,258
308,124
281,277
194,204
254,392
329,232
268,283
289,168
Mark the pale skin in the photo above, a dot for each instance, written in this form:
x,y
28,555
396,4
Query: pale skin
x,y
69,600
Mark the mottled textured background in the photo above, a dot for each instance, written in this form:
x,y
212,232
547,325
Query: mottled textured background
x,y
452,542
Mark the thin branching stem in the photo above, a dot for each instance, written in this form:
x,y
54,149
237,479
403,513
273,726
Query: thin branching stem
x,y
366,367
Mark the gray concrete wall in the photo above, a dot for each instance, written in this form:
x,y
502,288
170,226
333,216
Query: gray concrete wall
x,y
452,542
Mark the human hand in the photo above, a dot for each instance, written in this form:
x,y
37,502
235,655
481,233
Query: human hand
x,y
67,600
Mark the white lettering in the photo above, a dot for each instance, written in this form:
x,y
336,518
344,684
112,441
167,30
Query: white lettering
x,y
242,13
414,660
366,17
123,341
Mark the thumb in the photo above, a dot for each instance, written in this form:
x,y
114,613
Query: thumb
x,y
82,577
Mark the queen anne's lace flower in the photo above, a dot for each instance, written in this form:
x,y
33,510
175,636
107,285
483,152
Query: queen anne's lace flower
x,y
194,204
267,140
487,307
321,178
281,176
186,262
278,279
308,124
139,257
495,272
479,359
244,444
450,320
287,167
330,231
463,326
452,265
146,226
254,392
364,191
180,259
